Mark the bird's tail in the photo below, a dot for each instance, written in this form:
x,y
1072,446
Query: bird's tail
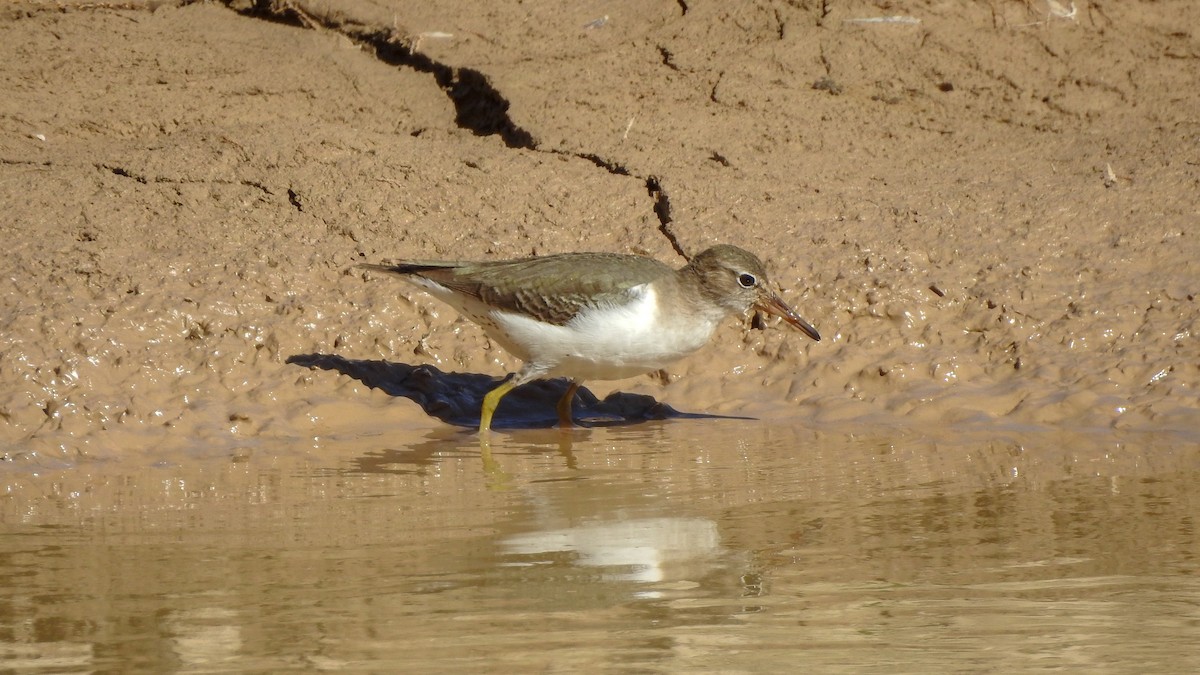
x,y
408,267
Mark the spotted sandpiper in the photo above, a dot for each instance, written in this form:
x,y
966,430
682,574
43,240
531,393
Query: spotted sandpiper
x,y
597,316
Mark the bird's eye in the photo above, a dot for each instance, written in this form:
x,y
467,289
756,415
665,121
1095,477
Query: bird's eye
x,y
747,280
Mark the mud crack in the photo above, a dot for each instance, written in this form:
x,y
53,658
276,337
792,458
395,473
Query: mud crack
x,y
167,180
662,202
479,107
662,209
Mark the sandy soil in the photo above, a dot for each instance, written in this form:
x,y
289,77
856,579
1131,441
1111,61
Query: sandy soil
x,y
988,209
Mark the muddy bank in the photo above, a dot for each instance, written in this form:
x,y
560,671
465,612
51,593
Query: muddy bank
x,y
990,212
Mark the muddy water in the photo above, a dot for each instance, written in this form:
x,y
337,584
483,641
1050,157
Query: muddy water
x,y
674,546
185,188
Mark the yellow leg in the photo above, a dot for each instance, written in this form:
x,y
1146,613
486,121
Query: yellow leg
x,y
564,405
491,401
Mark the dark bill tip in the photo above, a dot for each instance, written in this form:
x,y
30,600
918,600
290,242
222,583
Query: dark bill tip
x,y
771,304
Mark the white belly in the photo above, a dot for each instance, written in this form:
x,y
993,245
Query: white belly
x,y
603,344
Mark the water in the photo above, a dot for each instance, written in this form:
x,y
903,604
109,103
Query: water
x,y
667,547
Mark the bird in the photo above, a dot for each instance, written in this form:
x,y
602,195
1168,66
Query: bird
x,y
596,316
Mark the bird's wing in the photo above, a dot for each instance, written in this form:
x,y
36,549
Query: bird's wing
x,y
552,288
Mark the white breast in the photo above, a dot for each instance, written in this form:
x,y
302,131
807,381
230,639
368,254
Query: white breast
x,y
606,343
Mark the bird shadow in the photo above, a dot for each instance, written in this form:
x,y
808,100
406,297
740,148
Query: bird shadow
x,y
456,398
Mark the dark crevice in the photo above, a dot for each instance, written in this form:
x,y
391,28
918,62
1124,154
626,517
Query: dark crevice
x,y
662,204
254,184
720,159
479,108
26,162
165,180
124,173
611,167
668,59
662,209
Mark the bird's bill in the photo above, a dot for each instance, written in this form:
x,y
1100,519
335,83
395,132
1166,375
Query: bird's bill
x,y
771,304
